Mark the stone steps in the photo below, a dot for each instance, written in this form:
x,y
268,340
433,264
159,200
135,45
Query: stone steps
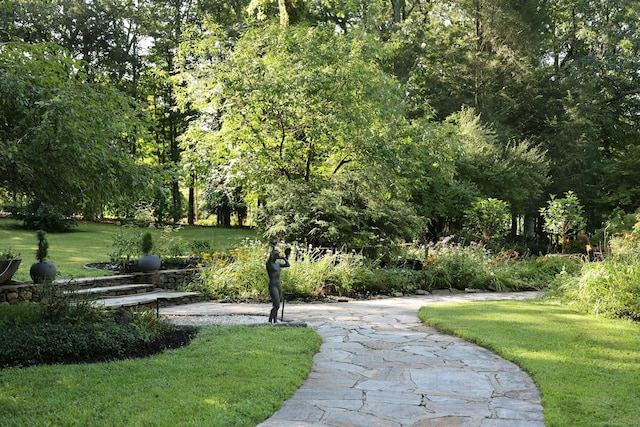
x,y
156,289
113,291
155,299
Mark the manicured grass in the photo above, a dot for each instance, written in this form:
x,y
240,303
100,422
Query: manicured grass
x,y
227,376
587,369
92,242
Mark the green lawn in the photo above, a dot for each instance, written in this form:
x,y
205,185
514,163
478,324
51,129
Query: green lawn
x,y
92,242
228,376
587,369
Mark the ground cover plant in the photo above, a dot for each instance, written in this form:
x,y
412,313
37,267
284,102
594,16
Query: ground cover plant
x,y
218,379
55,331
587,368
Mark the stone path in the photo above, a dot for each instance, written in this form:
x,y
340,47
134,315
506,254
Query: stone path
x,y
379,366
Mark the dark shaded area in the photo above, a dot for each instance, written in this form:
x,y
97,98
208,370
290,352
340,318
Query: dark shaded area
x,y
169,339
177,338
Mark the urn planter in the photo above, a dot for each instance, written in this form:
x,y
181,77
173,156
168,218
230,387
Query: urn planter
x,y
8,268
148,263
43,272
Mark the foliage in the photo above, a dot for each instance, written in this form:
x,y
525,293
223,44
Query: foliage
x,y
458,266
67,140
440,98
319,272
515,172
347,212
55,331
126,245
273,124
573,358
488,218
8,254
42,216
223,196
129,243
610,288
296,140
314,272
451,265
146,243
563,217
43,246
237,273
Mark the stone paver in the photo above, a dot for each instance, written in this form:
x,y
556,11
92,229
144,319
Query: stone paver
x,y
379,366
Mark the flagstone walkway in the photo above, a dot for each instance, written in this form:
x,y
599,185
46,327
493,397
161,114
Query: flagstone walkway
x,y
380,366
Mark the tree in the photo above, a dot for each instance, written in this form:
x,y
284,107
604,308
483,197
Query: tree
x,y
349,212
224,196
592,133
516,173
563,217
296,107
65,141
489,218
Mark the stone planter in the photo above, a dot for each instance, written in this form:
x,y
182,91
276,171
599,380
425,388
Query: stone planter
x,y
8,268
42,272
148,263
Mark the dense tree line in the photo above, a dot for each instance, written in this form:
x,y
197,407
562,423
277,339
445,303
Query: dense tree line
x,y
335,122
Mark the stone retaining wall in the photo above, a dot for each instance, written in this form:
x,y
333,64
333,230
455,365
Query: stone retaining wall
x,y
17,292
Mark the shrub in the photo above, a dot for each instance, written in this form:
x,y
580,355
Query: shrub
x,y
43,246
610,288
239,273
42,216
79,334
18,313
489,218
146,243
126,245
562,217
625,244
199,246
453,265
170,245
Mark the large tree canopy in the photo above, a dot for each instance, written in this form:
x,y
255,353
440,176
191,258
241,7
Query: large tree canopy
x,y
300,105
64,140
434,102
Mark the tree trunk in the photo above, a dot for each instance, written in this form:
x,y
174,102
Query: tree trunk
x,y
398,10
191,214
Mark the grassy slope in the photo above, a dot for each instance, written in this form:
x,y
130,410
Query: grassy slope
x,y
92,242
218,380
587,369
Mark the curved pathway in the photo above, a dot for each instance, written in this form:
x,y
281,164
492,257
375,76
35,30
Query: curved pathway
x,y
379,366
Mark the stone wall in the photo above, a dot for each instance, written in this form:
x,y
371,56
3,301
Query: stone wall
x,y
16,292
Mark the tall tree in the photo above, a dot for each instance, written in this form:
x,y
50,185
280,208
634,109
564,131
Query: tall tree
x,y
300,105
593,52
64,140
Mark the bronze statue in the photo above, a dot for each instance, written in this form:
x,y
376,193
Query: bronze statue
x,y
274,266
